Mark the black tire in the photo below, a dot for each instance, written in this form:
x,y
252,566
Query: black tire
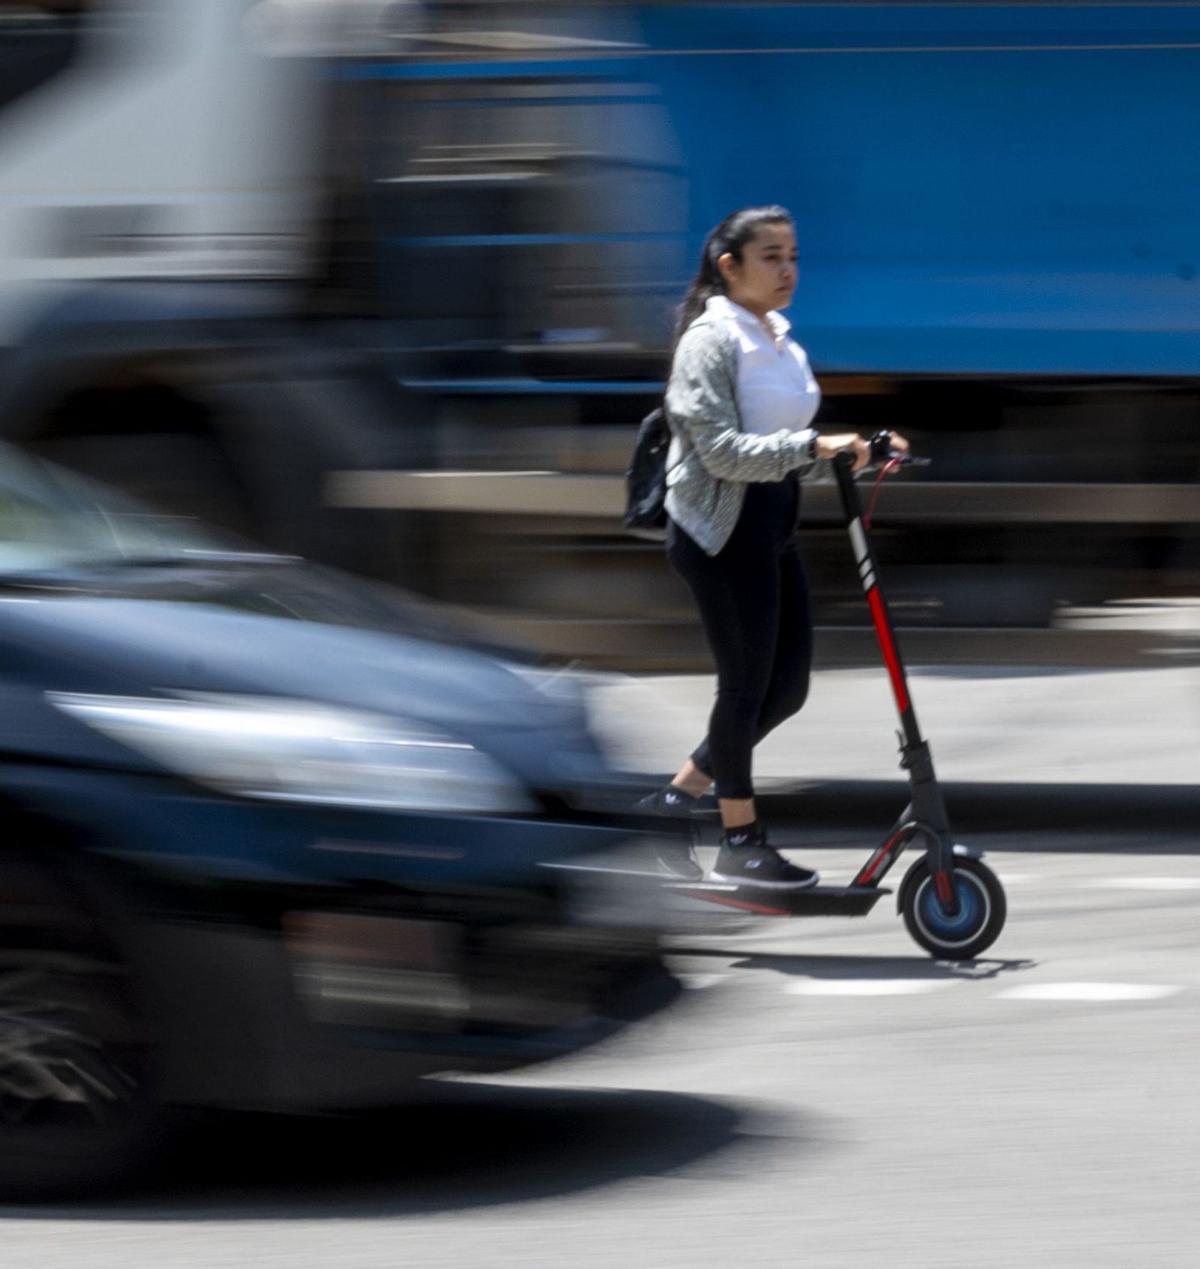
x,y
77,1112
981,915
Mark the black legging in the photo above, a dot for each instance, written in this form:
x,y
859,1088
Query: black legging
x,y
753,601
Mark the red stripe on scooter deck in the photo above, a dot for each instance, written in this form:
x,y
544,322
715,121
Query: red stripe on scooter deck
x,y
812,901
729,901
890,656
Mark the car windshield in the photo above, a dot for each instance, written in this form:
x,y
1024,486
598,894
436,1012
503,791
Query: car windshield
x,y
63,532
52,521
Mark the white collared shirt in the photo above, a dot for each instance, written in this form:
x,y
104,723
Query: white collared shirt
x,y
776,389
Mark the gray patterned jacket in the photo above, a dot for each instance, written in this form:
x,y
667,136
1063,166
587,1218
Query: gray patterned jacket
x,y
711,460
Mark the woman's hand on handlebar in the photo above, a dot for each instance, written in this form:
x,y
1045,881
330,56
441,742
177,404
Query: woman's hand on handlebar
x,y
889,447
899,444
850,443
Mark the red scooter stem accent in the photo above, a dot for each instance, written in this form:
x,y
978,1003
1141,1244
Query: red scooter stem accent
x,y
928,811
887,645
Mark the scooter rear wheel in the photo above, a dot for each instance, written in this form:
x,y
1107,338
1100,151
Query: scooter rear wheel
x,y
974,928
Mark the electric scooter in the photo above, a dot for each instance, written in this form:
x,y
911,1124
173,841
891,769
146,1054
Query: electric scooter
x,y
952,903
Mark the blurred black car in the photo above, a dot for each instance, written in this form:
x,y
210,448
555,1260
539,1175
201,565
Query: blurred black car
x,y
272,839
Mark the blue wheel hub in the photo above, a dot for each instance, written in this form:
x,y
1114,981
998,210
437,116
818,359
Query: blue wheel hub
x,y
971,910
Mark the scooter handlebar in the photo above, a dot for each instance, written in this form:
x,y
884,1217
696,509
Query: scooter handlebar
x,y
882,452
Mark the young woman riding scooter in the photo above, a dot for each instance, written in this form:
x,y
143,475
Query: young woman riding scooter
x,y
740,403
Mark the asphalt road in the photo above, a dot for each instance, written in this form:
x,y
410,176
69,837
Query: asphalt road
x,y
824,1095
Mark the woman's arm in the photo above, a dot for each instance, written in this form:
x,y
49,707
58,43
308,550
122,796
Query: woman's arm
x,y
701,400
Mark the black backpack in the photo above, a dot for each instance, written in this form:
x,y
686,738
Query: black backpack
x,y
646,479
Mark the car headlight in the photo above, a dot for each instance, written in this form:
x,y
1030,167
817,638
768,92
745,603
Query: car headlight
x,y
302,751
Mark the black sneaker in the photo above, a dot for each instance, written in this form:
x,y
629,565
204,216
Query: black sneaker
x,y
753,863
673,801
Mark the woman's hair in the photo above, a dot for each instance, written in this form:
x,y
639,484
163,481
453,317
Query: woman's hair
x,y
731,235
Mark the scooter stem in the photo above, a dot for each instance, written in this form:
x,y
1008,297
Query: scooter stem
x,y
928,808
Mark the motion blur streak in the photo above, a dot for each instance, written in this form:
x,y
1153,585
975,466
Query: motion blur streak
x,y
251,251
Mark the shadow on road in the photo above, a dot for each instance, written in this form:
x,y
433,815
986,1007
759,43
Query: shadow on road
x,y
471,1146
879,967
907,967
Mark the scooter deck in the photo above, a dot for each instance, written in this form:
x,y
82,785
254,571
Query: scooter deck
x,y
843,901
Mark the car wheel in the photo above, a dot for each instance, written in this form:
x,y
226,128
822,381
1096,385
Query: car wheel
x,y
76,1105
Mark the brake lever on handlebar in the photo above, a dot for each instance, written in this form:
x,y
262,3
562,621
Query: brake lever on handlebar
x,y
882,452
886,459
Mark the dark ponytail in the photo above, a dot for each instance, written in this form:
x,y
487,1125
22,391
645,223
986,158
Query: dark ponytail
x,y
731,235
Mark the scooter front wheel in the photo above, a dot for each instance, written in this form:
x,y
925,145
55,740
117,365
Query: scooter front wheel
x,y
973,928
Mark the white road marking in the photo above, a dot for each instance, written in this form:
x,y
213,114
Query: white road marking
x,y
1088,991
867,986
1146,883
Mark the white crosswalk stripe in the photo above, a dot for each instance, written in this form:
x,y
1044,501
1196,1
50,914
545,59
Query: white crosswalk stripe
x,y
1088,991
1145,883
867,986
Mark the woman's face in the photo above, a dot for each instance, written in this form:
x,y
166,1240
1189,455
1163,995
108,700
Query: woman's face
x,y
765,277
